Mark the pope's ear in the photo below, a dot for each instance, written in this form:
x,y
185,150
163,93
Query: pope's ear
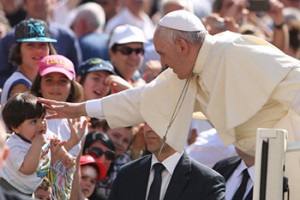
x,y
182,46
78,78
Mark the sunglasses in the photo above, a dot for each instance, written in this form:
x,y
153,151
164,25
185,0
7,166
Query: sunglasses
x,y
128,51
103,1
97,152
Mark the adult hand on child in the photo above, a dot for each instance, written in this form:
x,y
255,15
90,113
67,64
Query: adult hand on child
x,y
60,109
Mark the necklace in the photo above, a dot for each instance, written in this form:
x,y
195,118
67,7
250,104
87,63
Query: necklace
x,y
176,110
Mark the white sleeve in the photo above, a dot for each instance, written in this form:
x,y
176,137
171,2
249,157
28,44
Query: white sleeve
x,y
94,108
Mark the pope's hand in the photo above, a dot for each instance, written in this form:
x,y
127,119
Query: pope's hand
x,y
59,109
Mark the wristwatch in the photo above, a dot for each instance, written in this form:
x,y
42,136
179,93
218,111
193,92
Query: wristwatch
x,y
278,26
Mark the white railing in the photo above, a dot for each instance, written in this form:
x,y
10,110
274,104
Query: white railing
x,y
271,146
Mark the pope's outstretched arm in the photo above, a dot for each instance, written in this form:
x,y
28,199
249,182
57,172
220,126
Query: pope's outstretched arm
x,y
121,109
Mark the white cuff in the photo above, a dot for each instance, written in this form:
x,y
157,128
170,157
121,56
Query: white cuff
x,y
94,108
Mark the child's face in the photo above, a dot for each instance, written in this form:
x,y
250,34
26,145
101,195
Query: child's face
x,y
42,194
94,85
32,53
31,127
121,138
55,86
88,180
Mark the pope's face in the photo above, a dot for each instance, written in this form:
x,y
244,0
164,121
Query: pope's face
x,y
172,56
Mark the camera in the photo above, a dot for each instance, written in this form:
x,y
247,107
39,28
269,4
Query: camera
x,y
259,5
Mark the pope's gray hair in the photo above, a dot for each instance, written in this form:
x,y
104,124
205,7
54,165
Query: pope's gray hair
x,y
172,35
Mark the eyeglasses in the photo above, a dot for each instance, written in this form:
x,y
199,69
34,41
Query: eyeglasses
x,y
128,51
97,152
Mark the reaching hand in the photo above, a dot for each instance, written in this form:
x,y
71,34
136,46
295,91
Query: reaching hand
x,y
152,69
59,152
117,83
56,145
276,11
77,129
59,109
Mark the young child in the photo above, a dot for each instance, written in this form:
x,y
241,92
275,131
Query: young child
x,y
100,147
56,81
44,191
31,146
91,171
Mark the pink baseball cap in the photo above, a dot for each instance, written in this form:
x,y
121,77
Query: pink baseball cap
x,y
57,63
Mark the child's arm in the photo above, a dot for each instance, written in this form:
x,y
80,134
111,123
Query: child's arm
x,y
32,159
77,129
58,152
76,192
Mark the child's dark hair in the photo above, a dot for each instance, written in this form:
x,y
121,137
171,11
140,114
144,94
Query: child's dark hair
x,y
97,136
101,137
20,107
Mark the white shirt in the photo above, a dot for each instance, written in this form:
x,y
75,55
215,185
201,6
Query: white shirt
x,y
14,79
166,175
62,14
126,17
60,127
18,150
208,147
235,180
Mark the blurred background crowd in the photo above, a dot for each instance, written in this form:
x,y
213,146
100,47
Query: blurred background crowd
x,y
109,43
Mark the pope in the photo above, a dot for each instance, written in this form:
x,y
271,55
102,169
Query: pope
x,y
239,82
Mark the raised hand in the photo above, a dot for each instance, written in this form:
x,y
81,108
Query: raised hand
x,y
77,130
59,152
117,83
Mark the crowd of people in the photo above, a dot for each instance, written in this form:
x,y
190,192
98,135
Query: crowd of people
x,y
90,86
